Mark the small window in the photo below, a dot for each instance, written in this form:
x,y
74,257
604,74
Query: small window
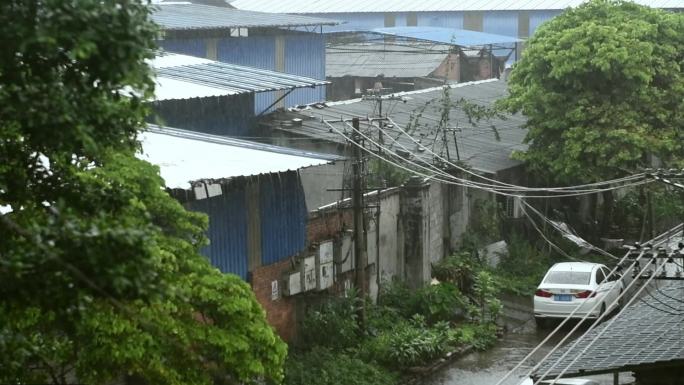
x,y
411,19
600,275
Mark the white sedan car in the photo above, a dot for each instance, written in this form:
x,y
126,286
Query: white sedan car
x,y
576,285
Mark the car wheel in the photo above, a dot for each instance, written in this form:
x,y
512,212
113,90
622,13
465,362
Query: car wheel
x,y
603,310
542,323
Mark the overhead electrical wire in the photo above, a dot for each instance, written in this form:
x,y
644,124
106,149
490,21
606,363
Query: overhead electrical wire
x,y
496,188
459,181
463,169
602,331
591,327
452,177
534,224
507,187
655,241
547,220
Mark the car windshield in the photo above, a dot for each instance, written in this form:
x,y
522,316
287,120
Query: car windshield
x,y
568,277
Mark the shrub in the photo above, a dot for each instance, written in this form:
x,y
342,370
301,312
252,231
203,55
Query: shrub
x,y
411,343
520,271
480,337
456,269
321,366
434,302
332,324
486,291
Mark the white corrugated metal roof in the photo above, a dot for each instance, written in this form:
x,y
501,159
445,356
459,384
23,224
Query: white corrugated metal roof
x,y
180,16
184,77
185,156
359,6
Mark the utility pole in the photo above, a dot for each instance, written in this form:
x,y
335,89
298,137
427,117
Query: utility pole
x,y
360,256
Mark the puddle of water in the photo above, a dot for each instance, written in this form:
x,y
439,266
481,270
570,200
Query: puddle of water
x,y
487,368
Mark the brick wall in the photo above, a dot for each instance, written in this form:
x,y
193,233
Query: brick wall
x,y
328,225
281,311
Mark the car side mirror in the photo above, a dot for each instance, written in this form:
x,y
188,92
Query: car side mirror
x,y
614,277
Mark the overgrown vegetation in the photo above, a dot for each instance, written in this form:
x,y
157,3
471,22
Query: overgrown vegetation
x,y
383,175
638,217
323,366
407,328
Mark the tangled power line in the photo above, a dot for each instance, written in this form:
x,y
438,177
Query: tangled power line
x,y
431,171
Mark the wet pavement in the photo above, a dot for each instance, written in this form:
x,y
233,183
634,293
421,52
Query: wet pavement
x,y
487,368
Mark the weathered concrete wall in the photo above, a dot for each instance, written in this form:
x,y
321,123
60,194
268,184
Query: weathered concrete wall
x,y
459,214
385,242
317,181
437,229
414,224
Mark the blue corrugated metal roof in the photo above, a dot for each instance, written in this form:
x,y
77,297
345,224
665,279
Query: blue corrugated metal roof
x,y
460,37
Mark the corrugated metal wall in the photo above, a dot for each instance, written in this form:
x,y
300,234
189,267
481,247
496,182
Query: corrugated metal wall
x,y
305,55
222,115
253,51
280,230
227,230
441,19
498,22
538,17
192,47
354,21
283,216
501,23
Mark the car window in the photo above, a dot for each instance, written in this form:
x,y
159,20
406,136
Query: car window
x,y
600,275
568,277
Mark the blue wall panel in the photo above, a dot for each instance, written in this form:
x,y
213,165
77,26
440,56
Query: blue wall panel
x,y
192,47
305,56
353,21
539,17
254,51
441,19
227,230
500,23
283,216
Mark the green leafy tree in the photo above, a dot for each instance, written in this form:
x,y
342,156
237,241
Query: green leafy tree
x,y
100,273
602,88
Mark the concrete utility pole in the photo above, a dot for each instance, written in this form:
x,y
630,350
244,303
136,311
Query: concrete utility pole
x,y
360,256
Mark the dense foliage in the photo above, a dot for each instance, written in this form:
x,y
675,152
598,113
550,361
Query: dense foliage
x,y
322,366
100,272
433,302
602,88
407,329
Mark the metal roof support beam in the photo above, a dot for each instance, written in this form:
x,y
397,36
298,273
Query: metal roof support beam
x,y
276,102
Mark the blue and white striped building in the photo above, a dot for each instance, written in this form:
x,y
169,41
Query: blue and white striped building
x,y
517,18
290,44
